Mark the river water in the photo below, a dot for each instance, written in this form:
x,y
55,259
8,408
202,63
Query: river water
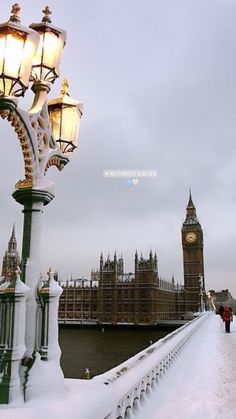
x,y
100,351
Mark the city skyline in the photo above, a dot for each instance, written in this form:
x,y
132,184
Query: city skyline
x,y
159,90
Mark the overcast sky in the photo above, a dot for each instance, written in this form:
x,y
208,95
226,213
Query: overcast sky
x,y
158,82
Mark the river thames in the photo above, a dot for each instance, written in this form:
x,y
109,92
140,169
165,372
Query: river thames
x,y
100,351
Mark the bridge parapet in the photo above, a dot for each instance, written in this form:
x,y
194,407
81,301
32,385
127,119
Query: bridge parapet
x,y
129,384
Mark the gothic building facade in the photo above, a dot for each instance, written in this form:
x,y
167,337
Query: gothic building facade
x,y
115,297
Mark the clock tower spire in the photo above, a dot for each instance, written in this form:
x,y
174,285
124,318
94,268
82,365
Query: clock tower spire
x,y
193,261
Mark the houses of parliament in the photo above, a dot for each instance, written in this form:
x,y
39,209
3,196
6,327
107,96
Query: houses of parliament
x,y
112,296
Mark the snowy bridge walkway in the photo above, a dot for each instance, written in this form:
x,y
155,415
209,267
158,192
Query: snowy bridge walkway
x,y
200,384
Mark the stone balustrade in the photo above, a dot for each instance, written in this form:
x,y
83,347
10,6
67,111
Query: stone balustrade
x,y
130,383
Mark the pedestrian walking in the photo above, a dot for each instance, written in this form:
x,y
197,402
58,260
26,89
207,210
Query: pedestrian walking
x,y
227,318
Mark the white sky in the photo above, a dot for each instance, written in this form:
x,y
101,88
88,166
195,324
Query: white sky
x,y
158,83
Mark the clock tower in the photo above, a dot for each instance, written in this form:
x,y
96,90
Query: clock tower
x,y
192,243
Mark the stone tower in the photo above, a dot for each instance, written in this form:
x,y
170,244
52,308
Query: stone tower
x,y
110,270
146,282
193,261
11,259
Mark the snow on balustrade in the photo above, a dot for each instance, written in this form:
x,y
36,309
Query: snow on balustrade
x,y
134,378
200,385
119,392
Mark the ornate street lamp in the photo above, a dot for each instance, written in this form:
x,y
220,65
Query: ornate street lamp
x,y
47,59
33,54
17,48
65,114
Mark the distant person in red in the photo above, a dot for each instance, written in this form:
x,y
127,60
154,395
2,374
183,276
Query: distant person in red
x,y
227,317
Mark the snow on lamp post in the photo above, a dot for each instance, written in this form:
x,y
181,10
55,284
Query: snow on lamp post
x,y
201,305
14,293
33,54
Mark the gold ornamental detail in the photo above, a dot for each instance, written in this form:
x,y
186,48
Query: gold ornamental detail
x,y
25,146
54,161
22,184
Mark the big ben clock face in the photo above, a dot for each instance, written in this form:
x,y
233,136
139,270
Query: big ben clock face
x,y
191,237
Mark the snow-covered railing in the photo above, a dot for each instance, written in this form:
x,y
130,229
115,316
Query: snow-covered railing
x,y
128,384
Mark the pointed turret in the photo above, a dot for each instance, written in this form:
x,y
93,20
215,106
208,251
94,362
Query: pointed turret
x,y
155,257
190,201
150,256
101,261
115,262
136,260
12,244
11,260
191,215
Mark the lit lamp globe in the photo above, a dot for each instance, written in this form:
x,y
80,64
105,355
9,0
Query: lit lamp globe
x,y
17,48
65,114
46,62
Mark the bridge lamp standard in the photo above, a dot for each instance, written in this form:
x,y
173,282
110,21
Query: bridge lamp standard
x,y
47,134
201,303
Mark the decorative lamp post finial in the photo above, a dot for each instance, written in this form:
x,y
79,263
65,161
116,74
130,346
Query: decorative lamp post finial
x,y
47,12
15,11
65,88
50,274
17,271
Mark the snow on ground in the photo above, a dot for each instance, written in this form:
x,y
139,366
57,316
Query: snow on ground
x,y
202,382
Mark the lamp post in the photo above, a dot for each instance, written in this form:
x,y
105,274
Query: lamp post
x,y
201,304
47,134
